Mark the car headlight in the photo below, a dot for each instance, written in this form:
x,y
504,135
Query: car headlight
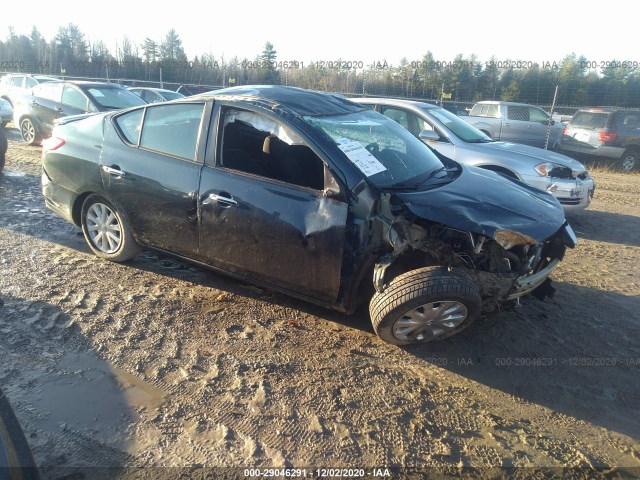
x,y
545,169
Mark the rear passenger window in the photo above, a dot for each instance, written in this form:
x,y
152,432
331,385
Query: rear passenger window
x,y
517,112
50,91
172,129
255,144
129,125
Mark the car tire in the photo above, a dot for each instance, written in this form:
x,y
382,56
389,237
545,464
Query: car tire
x,y
29,132
3,123
629,161
426,304
107,233
3,147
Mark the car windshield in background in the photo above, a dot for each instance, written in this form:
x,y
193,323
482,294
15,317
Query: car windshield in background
x,y
44,79
459,127
384,151
172,95
590,119
115,98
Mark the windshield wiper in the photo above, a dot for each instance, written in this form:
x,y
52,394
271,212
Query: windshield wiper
x,y
422,181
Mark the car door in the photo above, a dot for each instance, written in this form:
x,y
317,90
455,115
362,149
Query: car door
x,y
150,165
271,209
520,127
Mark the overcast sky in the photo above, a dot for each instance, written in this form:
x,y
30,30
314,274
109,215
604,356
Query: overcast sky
x,y
538,31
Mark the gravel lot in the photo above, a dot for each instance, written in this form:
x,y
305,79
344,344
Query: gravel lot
x,y
156,363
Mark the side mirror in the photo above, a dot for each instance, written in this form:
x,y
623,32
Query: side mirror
x,y
428,136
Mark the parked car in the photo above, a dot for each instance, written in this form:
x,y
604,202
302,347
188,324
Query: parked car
x,y
155,95
14,85
3,147
515,122
6,112
16,460
312,195
38,110
605,133
563,177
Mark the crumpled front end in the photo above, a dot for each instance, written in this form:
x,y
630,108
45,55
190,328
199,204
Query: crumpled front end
x,y
504,263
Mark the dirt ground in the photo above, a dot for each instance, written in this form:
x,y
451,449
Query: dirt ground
x,y
155,363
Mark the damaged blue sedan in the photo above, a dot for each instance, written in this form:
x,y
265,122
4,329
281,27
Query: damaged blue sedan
x,y
312,195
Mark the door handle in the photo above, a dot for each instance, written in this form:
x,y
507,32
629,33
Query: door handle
x,y
230,202
113,171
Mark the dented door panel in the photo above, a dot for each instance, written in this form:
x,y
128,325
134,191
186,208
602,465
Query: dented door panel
x,y
272,232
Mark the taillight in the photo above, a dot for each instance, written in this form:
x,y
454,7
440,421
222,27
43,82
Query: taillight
x,y
52,143
607,136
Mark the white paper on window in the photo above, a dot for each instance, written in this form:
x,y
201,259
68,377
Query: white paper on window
x,y
360,156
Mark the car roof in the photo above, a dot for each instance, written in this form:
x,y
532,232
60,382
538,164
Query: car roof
x,y
396,101
152,89
87,83
298,100
608,110
500,102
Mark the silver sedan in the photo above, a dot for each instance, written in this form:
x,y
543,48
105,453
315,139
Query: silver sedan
x,y
565,178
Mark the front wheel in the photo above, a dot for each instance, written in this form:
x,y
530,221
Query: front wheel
x,y
426,304
106,232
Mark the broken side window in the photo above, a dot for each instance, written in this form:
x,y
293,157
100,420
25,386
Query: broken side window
x,y
256,144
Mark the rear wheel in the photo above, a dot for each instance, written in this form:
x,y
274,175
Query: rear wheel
x,y
106,232
426,304
29,132
629,161
3,147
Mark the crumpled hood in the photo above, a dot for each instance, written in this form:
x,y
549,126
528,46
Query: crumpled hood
x,y
485,202
538,154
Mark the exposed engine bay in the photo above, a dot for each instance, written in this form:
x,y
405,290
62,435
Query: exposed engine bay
x,y
504,267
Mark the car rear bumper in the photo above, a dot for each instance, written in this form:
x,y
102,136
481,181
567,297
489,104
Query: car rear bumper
x,y
588,149
57,198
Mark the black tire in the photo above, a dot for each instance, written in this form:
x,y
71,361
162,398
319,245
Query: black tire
x,y
629,161
29,132
3,123
3,147
108,235
451,293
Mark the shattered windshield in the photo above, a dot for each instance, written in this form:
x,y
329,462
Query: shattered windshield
x,y
382,150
